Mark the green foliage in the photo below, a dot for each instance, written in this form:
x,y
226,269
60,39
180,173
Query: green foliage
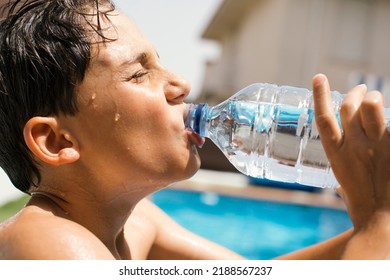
x,y
12,207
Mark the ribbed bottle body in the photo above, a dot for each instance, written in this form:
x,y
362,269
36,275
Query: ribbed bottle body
x,y
269,132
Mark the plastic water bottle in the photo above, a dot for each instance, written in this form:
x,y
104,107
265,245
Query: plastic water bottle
x,y
268,131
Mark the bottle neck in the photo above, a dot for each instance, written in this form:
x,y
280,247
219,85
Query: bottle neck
x,y
196,118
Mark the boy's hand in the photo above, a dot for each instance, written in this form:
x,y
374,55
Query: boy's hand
x,y
359,153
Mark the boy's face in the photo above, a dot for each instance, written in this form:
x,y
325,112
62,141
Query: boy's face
x,y
130,124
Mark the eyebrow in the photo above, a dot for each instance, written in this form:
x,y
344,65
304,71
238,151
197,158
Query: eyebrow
x,y
138,58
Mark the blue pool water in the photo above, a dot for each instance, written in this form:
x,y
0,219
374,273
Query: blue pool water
x,y
255,229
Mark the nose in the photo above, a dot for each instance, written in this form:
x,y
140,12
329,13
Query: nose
x,y
176,88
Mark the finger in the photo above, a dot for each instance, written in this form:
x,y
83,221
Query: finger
x,y
349,111
326,120
372,115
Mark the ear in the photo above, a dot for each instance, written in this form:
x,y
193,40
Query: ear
x,y
50,143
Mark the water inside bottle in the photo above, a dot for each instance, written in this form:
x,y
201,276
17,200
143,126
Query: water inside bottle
x,y
274,141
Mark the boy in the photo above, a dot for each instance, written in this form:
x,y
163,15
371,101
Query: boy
x,y
92,124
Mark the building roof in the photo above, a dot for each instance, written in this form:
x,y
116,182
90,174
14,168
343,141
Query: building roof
x,y
227,18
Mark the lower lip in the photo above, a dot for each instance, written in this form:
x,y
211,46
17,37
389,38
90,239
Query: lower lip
x,y
196,138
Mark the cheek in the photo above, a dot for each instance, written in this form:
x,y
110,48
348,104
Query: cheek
x,y
143,126
149,116
158,130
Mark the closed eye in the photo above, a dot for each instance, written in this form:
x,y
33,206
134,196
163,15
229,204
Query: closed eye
x,y
138,77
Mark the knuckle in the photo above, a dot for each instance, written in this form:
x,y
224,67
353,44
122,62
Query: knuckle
x,y
323,120
348,108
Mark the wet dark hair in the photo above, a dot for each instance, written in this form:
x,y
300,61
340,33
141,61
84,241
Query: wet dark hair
x,y
45,50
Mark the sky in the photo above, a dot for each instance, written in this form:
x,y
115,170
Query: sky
x,y
174,27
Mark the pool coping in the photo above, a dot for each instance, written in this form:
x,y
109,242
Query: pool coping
x,y
236,184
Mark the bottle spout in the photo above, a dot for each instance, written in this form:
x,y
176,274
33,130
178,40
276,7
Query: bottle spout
x,y
195,118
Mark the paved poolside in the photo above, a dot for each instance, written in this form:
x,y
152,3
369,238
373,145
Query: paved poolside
x,y
237,184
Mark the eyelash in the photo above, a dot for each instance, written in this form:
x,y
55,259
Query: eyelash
x,y
138,75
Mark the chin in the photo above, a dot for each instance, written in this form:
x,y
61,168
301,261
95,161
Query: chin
x,y
183,167
191,166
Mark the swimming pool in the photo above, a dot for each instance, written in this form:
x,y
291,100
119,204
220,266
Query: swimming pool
x,y
256,229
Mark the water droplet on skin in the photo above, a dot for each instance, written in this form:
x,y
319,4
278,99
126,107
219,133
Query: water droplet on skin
x,y
117,117
92,99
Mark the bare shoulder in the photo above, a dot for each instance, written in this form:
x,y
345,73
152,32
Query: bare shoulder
x,y
141,229
144,228
149,217
169,240
37,234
